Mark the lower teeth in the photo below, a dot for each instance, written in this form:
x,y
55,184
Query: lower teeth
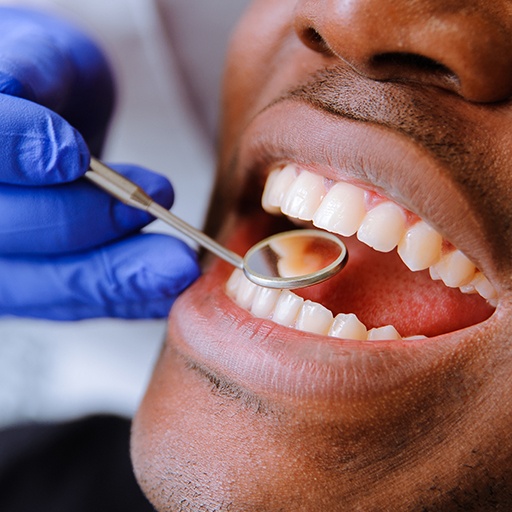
x,y
288,309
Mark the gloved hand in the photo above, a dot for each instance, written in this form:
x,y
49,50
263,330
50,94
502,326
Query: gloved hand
x,y
67,249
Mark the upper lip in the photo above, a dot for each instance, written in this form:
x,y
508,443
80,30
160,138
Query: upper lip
x,y
370,155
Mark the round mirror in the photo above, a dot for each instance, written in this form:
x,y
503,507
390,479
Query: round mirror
x,y
295,259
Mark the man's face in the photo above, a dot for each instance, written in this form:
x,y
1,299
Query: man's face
x,y
387,122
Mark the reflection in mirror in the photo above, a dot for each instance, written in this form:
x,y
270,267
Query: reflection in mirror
x,y
295,259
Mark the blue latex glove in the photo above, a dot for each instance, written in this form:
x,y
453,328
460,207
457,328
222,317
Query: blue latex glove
x,y
67,249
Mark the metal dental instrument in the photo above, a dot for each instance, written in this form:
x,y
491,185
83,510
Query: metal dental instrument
x,y
293,259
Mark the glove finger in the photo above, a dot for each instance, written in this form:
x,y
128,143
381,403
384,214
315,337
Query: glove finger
x,y
139,277
49,61
38,146
74,216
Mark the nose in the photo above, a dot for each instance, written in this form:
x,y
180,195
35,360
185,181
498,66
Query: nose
x,y
464,46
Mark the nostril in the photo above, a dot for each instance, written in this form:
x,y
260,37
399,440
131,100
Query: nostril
x,y
313,40
413,67
409,60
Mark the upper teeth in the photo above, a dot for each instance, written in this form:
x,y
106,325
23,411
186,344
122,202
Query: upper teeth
x,y
346,209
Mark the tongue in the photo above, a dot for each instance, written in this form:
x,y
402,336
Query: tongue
x,y
381,290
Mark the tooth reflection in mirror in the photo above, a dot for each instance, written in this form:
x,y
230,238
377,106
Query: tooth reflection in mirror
x,y
295,259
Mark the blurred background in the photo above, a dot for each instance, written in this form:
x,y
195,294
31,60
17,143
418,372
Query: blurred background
x,y
167,57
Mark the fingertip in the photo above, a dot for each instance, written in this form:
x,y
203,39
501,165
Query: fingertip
x,y
154,266
173,266
72,157
185,264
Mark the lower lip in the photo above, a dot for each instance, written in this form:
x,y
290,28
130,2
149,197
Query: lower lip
x,y
211,331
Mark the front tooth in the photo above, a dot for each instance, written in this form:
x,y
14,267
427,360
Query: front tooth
x,y
383,227
264,302
348,327
276,186
245,293
388,332
454,269
342,210
420,247
304,196
314,317
287,308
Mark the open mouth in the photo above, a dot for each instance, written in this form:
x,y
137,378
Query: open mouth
x,y
403,280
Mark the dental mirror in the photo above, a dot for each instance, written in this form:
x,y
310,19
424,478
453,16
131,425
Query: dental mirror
x,y
293,259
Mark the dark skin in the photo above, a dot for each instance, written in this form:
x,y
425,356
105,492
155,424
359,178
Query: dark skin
x,y
408,99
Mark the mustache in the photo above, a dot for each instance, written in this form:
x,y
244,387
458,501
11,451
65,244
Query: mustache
x,y
404,107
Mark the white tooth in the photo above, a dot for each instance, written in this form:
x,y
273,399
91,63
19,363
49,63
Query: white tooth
x,y
348,327
269,197
314,317
304,196
483,286
278,183
455,269
383,227
245,293
233,281
342,210
388,332
434,274
415,337
287,308
264,302
420,247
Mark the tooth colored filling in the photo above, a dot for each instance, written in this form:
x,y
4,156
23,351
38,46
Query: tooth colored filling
x,y
346,209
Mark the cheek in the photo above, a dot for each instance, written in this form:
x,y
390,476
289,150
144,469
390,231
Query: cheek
x,y
254,51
